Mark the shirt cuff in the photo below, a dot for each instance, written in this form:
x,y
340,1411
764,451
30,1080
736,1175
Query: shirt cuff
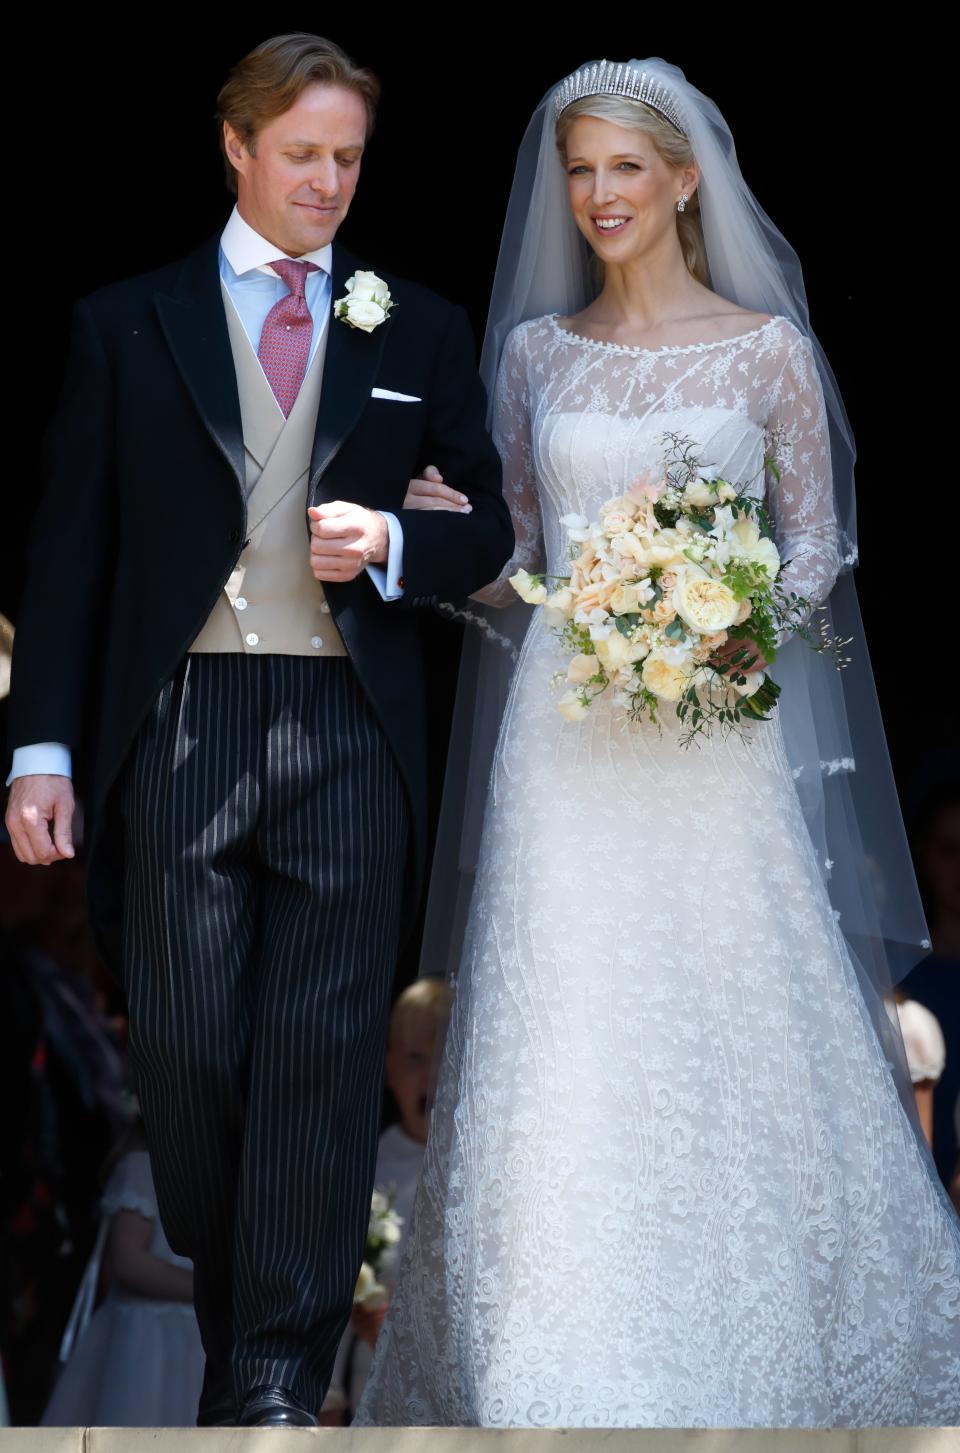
x,y
389,578
52,758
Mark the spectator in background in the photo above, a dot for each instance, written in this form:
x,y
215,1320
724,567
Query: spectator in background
x,y
138,1362
417,1029
926,1052
935,982
62,1081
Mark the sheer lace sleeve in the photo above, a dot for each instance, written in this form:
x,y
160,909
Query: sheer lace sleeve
x,y
511,435
801,500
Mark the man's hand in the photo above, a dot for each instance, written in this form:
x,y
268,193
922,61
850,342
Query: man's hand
x,y
40,818
345,539
428,492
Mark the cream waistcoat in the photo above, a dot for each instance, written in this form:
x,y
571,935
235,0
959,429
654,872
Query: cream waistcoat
x,y
272,605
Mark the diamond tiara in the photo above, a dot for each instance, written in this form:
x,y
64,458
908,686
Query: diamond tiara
x,y
614,78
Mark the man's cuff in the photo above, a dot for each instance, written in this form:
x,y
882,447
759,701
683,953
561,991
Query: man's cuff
x,y
389,578
51,758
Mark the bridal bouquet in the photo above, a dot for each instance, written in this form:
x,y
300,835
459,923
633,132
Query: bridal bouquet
x,y
383,1237
661,590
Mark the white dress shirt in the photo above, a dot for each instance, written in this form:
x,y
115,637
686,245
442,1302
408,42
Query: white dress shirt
x,y
254,288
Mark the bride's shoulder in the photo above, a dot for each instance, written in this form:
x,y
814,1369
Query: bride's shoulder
x,y
526,341
772,331
530,331
781,344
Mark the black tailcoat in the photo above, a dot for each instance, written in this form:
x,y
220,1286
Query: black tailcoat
x,y
143,518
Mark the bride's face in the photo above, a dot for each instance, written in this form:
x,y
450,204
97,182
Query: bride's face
x,y
623,194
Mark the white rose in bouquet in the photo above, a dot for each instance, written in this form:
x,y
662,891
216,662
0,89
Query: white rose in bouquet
x,y
699,494
630,546
704,604
663,678
665,548
616,522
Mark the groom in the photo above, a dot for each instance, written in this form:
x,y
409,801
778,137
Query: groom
x,y
220,627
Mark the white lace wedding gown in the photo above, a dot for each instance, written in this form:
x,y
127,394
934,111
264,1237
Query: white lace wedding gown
x,y
669,1180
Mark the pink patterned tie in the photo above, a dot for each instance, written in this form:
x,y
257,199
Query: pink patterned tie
x,y
285,340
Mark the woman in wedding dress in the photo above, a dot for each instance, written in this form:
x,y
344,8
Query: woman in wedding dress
x,y
669,1179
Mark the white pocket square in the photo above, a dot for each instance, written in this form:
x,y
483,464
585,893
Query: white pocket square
x,y
388,393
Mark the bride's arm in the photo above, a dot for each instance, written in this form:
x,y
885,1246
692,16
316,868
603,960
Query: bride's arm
x,y
512,436
801,500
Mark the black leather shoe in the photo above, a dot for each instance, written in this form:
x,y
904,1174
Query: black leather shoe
x,y
274,1407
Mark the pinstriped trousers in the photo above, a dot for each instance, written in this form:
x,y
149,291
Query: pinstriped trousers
x,y
266,826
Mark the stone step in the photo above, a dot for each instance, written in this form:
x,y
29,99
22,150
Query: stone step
x,y
476,1440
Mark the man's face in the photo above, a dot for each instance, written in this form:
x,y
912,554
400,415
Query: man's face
x,y
296,187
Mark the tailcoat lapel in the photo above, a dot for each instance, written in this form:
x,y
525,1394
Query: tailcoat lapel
x,y
195,327
353,358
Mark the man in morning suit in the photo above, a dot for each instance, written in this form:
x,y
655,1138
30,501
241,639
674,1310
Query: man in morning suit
x,y
219,631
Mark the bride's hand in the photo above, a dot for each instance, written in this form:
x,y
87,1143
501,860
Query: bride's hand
x,y
753,661
429,492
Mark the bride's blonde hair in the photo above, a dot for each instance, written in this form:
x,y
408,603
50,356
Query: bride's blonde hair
x,y
674,148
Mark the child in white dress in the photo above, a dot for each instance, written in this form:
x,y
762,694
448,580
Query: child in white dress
x,y
138,1361
417,1027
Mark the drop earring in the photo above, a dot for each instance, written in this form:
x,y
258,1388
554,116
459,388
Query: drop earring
x,y
682,204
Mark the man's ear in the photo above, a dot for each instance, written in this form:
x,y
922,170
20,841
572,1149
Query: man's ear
x,y
235,148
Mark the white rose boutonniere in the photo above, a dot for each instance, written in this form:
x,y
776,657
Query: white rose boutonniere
x,y
367,302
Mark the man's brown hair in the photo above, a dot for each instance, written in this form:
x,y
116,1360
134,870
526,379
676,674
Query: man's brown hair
x,y
269,80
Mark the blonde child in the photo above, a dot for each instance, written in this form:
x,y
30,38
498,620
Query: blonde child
x,y
417,1029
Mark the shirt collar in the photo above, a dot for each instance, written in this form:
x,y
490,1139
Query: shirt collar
x,y
246,250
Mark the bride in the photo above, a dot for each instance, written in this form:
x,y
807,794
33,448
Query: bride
x,y
669,1180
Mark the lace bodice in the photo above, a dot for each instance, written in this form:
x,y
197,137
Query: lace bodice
x,y
576,420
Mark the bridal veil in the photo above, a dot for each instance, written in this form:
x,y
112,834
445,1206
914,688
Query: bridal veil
x,y
830,718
